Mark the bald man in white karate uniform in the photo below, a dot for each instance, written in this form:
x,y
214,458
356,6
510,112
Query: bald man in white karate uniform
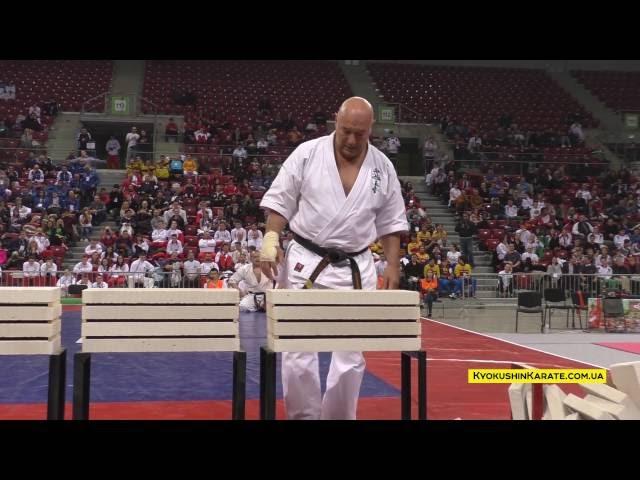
x,y
336,192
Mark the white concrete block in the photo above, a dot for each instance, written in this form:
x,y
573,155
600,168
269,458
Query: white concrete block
x,y
610,394
164,312
24,330
586,409
18,312
29,295
30,347
554,399
94,345
626,377
520,397
342,297
341,312
343,344
619,411
143,296
321,329
156,329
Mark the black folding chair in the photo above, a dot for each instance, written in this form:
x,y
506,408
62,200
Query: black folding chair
x,y
556,299
530,302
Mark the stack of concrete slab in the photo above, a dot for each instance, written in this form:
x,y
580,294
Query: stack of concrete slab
x,y
618,401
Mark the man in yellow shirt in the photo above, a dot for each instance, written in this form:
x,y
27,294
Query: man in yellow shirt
x,y
136,165
424,234
162,168
414,245
440,235
433,268
422,255
462,273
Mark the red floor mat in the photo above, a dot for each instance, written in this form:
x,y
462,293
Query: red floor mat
x,y
624,346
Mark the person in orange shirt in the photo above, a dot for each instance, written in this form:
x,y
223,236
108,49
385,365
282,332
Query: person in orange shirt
x,y
214,280
429,290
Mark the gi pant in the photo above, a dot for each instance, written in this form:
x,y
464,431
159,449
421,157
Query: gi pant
x,y
300,370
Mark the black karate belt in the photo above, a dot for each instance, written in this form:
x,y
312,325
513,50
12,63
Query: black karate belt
x,y
259,298
331,256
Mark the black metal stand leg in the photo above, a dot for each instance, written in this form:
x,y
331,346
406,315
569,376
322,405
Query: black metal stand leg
x,y
239,385
405,388
422,384
57,385
81,385
262,382
267,384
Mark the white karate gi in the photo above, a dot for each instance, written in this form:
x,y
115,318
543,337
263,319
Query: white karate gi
x,y
308,192
247,281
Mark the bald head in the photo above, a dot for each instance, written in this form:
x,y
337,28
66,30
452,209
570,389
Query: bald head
x,y
353,128
356,108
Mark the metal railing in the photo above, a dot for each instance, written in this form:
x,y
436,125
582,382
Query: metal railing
x,y
493,285
157,278
406,114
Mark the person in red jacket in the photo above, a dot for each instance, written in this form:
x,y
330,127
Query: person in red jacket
x,y
224,259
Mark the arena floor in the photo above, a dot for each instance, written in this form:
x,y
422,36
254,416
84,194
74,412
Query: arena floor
x,y
197,386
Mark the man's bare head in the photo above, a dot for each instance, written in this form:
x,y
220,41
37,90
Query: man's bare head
x,y
354,121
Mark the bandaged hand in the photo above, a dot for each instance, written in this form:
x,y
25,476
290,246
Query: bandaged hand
x,y
270,244
270,254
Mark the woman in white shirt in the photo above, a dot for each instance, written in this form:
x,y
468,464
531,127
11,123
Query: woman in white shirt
x,y
141,243
118,273
619,239
110,255
502,249
174,230
453,254
596,237
93,247
48,270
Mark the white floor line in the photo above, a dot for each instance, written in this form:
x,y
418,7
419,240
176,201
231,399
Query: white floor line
x,y
505,362
513,343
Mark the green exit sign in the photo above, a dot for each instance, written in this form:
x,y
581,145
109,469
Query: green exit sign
x,y
386,114
120,105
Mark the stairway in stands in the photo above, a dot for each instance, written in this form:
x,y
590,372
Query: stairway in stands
x,y
440,213
108,178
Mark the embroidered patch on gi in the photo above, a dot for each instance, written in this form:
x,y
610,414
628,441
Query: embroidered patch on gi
x,y
298,267
376,176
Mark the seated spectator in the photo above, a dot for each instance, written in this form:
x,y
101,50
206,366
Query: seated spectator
x,y
117,273
190,167
93,247
174,245
413,272
254,237
429,290
214,280
65,280
99,283
207,243
505,280
208,264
